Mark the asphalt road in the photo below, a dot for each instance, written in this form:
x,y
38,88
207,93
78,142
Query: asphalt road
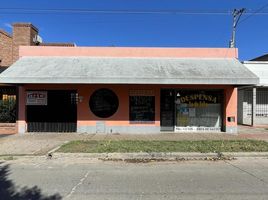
x,y
82,179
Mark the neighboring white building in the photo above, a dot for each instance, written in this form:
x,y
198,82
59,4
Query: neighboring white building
x,y
253,101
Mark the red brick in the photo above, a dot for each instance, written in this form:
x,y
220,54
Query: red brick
x,y
5,49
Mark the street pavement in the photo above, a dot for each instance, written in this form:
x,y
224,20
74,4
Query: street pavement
x,y
81,178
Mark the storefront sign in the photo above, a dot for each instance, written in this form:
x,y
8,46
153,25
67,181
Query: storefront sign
x,y
197,100
36,98
197,129
142,109
198,97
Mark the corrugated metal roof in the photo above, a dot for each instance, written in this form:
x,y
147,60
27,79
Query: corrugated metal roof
x,y
110,70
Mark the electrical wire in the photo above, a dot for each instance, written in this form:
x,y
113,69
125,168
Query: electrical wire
x,y
254,13
126,11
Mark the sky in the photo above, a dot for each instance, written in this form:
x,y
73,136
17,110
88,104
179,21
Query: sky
x,y
145,29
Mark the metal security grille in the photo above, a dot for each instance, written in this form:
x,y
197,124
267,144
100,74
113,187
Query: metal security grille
x,y
59,115
247,104
262,103
51,127
8,105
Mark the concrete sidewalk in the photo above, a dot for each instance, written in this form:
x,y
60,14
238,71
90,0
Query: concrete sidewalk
x,y
35,143
255,133
41,143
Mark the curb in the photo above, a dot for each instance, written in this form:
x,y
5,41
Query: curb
x,y
57,147
144,157
163,156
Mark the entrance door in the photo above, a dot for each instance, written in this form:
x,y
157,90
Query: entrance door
x,y
59,115
167,110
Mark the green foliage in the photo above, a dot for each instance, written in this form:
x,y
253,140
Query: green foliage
x,y
8,111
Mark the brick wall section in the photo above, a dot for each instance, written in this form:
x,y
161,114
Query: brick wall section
x,y
5,49
23,34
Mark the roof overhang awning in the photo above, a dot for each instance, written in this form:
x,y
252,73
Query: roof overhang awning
x,y
115,70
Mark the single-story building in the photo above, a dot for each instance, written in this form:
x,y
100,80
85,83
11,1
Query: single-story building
x,y
253,100
127,90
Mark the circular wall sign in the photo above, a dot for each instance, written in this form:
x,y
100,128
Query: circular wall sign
x,y
103,103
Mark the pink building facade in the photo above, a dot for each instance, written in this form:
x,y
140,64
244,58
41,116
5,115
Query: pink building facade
x,y
127,90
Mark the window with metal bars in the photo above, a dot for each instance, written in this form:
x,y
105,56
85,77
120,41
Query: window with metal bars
x,y
261,102
7,105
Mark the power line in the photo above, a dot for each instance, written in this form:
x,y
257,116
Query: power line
x,y
254,13
125,11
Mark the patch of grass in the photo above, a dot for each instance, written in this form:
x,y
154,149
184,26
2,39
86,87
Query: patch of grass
x,y
126,146
7,158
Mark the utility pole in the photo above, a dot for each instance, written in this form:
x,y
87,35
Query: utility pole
x,y
236,16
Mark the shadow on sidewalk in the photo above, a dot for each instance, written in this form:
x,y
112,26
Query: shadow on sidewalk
x,y
9,191
5,135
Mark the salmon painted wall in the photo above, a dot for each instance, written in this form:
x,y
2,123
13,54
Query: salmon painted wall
x,y
21,122
121,118
230,106
129,52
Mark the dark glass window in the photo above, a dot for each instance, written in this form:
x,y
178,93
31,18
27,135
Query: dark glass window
x,y
103,103
142,108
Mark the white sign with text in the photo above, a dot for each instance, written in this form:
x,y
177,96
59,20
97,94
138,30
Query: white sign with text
x,y
36,98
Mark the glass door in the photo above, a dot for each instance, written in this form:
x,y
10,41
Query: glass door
x,y
167,110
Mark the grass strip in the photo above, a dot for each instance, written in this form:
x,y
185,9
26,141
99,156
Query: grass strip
x,y
127,146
